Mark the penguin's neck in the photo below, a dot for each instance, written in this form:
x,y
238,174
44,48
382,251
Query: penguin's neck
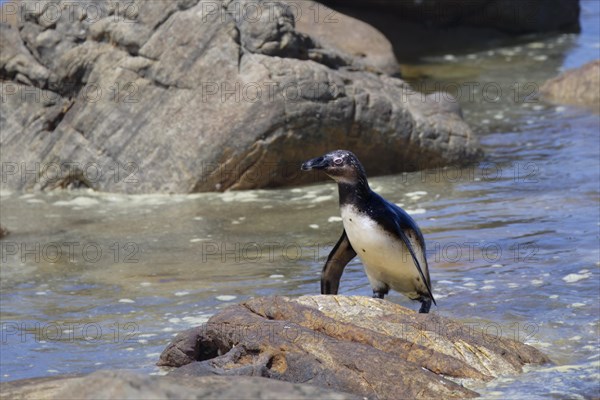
x,y
355,193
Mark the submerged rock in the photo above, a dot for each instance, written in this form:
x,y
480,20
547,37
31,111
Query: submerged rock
x,y
369,347
190,96
578,86
127,385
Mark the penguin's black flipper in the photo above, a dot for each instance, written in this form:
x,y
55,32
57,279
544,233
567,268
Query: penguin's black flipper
x,y
408,244
339,257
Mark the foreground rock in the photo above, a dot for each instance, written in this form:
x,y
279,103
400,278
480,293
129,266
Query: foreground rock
x,y
579,86
188,95
365,346
125,385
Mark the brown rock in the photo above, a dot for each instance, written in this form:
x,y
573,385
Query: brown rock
x,y
579,86
364,346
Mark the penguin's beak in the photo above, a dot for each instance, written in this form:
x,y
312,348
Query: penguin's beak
x,y
315,163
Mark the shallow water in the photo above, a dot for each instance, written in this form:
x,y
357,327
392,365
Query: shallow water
x,y
92,280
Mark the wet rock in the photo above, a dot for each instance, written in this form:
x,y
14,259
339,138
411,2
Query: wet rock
x,y
365,346
190,96
578,86
127,385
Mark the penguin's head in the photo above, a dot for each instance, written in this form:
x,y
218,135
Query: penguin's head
x,y
341,165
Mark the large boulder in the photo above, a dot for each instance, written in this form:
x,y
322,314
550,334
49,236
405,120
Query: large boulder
x,y
578,86
126,385
369,347
187,95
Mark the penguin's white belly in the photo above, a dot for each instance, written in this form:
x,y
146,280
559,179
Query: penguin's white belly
x,y
385,257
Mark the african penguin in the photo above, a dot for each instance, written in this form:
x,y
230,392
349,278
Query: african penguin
x,y
387,240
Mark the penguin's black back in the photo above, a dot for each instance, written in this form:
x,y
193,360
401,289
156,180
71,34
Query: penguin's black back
x,y
387,214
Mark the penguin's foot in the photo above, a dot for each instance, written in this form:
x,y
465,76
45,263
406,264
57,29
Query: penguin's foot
x,y
425,306
378,294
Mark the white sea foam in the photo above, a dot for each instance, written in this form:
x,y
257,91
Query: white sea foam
x,y
225,297
572,278
78,202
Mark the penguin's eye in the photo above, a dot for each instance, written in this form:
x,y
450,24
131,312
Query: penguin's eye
x,y
338,161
